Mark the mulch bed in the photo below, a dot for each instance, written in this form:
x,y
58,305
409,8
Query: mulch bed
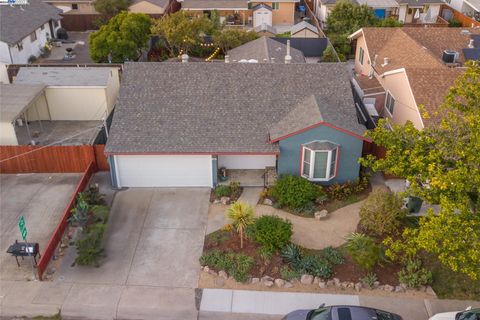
x,y
230,241
233,197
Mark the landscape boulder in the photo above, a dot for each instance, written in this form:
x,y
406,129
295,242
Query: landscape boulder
x,y
306,279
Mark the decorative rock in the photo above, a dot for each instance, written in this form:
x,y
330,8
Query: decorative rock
x,y
322,284
358,286
217,201
288,284
266,278
322,214
399,289
316,280
225,200
268,202
213,273
351,285
255,280
306,279
336,282
388,287
280,283
380,287
344,285
404,286
268,283
376,284
219,282
206,269
223,274
330,283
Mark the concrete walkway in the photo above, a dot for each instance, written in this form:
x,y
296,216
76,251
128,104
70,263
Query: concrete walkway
x,y
250,195
216,302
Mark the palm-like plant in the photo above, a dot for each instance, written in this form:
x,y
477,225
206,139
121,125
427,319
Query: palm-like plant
x,y
241,215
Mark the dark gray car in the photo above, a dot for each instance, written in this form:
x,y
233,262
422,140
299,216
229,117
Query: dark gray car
x,y
342,313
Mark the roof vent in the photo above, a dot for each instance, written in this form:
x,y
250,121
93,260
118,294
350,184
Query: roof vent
x,y
385,61
288,57
450,56
471,43
465,32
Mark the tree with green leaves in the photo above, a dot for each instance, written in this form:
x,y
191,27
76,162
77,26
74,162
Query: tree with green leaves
x,y
241,215
347,17
109,8
230,38
442,165
179,31
122,38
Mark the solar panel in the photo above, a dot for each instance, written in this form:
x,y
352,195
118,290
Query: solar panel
x,y
476,40
471,53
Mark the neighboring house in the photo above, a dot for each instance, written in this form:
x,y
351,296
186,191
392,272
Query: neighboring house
x,y
265,30
304,30
74,6
245,12
405,73
298,119
382,8
151,7
26,29
470,8
420,11
264,50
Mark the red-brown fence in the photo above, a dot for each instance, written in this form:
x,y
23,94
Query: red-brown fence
x,y
50,159
373,149
62,225
466,21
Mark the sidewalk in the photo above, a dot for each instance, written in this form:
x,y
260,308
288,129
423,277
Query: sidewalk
x,y
264,303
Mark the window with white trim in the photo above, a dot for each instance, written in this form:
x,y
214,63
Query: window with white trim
x,y
361,53
390,103
275,6
319,160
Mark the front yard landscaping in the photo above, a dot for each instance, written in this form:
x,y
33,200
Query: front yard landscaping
x,y
226,194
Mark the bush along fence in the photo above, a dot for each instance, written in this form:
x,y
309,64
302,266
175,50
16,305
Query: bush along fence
x,y
62,225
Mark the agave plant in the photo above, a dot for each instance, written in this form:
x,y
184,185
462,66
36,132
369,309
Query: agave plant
x,y
364,251
241,216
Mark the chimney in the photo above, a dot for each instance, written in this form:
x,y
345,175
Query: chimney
x,y
470,44
385,61
184,58
227,58
288,57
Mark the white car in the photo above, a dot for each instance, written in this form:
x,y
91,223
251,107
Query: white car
x,y
467,314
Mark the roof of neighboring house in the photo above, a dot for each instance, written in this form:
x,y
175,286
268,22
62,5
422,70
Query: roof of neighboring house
x,y
303,25
17,22
379,3
64,76
263,50
159,3
16,98
265,28
214,4
262,5
220,107
419,51
419,3
475,4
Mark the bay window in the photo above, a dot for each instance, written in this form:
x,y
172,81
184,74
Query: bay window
x,y
319,160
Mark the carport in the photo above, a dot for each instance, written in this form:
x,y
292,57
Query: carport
x,y
16,101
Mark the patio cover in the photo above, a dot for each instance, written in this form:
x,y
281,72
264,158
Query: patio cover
x,y
16,98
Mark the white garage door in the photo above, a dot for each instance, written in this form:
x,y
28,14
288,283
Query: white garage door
x,y
262,16
164,171
246,162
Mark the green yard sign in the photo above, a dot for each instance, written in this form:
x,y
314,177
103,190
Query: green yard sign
x,y
22,227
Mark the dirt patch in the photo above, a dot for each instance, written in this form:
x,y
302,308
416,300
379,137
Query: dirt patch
x,y
349,271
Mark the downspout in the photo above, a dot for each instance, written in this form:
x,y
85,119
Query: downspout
x,y
10,54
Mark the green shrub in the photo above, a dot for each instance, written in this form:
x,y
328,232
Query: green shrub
x,y
333,256
235,264
271,232
454,23
294,192
89,247
222,191
288,273
382,213
414,275
291,254
364,251
340,191
234,187
369,280
317,266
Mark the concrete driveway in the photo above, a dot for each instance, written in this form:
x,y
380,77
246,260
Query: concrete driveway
x,y
154,240
41,199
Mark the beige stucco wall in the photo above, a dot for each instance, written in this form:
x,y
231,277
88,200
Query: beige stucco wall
x,y
365,67
7,134
405,107
283,15
66,6
38,109
146,7
305,33
113,87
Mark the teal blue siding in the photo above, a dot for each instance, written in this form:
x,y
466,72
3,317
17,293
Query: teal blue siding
x,y
113,175
350,152
214,171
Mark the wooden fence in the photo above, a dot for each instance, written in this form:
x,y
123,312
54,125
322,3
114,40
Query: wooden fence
x,y
50,159
467,22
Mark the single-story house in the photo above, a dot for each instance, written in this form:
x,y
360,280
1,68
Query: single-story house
x,y
264,50
73,93
420,11
25,29
304,30
298,119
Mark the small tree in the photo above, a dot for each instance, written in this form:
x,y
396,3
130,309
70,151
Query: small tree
x,y
122,38
347,17
231,38
109,8
364,251
381,213
389,22
241,215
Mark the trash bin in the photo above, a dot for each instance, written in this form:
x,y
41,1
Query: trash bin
x,y
414,204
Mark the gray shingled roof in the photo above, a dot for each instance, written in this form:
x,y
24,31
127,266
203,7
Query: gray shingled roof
x,y
302,25
419,2
160,3
16,24
16,98
262,5
266,28
219,107
214,4
263,50
64,76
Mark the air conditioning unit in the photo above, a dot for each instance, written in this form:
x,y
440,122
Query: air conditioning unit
x,y
450,56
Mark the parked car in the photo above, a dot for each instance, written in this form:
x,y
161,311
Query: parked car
x,y
467,314
342,313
